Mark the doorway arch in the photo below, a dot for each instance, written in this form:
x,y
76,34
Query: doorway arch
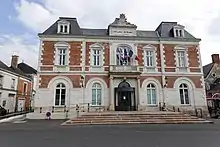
x,y
125,97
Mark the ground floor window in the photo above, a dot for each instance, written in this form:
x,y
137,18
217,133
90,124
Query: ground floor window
x,y
96,94
184,94
60,95
151,94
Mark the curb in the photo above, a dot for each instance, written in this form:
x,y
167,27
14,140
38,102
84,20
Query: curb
x,y
10,119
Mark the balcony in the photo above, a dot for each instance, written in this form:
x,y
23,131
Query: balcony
x,y
125,69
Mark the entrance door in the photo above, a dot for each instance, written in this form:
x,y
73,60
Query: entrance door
x,y
124,101
125,97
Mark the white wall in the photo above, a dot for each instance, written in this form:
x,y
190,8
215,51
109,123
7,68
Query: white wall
x,y
7,83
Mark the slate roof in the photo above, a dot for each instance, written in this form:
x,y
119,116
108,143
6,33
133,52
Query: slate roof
x,y
26,68
164,30
13,70
207,68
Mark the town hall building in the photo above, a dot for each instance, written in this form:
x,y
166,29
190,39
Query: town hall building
x,y
119,68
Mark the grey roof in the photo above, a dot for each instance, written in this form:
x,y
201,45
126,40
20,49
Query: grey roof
x,y
13,70
207,68
4,66
74,27
163,31
26,68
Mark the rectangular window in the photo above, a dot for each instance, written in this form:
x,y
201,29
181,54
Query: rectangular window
x,y
13,84
25,88
96,57
57,98
149,59
62,56
65,29
63,94
181,58
4,103
181,96
93,96
1,81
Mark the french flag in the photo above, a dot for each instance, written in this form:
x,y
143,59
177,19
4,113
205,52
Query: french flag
x,y
132,55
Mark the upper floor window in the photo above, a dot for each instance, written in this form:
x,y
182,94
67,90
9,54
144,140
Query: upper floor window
x,y
124,55
25,88
149,58
13,84
96,55
62,53
178,31
1,81
62,56
181,56
63,27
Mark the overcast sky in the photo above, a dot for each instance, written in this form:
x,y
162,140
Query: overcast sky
x,y
21,20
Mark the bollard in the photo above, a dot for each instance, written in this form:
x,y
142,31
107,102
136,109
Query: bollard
x,y
53,109
40,109
88,107
65,108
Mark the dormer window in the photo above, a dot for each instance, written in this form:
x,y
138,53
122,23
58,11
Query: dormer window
x,y
63,27
178,31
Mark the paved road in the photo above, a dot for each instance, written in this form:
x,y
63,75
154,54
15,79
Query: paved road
x,y
52,134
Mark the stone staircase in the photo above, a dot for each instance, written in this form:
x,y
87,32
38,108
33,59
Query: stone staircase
x,y
135,118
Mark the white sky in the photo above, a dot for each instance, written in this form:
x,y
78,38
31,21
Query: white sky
x,y
200,17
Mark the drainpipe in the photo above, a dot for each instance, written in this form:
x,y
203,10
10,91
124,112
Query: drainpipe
x,y
162,71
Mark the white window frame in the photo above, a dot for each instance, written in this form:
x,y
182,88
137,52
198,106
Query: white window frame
x,y
96,88
150,48
62,24
151,88
99,48
25,91
60,95
178,31
61,46
1,81
13,83
181,87
186,63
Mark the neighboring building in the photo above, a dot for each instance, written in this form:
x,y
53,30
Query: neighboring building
x,y
16,89
212,76
30,71
8,88
119,68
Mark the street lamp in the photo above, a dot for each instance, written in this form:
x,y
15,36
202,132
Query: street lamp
x,y
82,83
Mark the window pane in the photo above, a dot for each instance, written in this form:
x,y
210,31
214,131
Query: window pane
x,y
99,97
65,29
57,99
64,60
93,97
181,96
98,57
63,99
186,96
61,28
94,62
148,96
154,99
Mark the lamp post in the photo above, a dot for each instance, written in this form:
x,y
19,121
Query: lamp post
x,y
82,83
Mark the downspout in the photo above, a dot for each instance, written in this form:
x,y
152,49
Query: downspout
x,y
162,70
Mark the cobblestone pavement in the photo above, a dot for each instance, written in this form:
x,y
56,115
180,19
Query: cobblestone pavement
x,y
50,133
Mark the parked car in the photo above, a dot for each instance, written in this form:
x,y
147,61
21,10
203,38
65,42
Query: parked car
x,y
3,111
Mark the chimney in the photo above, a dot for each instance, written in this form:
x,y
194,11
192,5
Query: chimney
x,y
215,58
14,60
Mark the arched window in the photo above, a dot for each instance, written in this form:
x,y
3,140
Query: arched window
x,y
124,55
96,94
151,94
60,95
184,94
